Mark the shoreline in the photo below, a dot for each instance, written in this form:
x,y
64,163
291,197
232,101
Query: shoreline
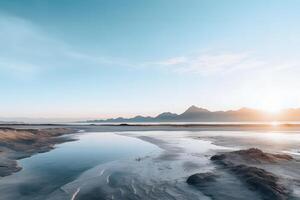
x,y
16,144
181,156
42,137
164,127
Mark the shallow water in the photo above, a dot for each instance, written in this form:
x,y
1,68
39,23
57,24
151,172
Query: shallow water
x,y
44,173
157,175
142,165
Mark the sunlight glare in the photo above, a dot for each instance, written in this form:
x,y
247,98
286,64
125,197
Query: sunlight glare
x,y
275,123
271,102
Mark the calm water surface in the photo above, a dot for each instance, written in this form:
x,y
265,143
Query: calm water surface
x,y
46,172
101,164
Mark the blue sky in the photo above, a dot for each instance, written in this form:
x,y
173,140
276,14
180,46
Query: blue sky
x,y
99,59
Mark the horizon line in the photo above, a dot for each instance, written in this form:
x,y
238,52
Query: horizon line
x,y
5,119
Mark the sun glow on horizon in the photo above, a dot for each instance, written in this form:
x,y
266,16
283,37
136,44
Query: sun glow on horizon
x,y
275,123
273,110
272,101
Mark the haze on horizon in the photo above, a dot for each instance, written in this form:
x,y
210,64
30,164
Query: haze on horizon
x,y
91,59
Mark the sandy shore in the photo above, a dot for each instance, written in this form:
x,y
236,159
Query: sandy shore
x,y
21,143
250,174
225,162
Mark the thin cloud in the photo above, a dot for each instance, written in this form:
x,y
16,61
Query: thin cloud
x,y
218,63
206,64
26,50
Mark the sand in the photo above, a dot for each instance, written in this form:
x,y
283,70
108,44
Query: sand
x,y
21,143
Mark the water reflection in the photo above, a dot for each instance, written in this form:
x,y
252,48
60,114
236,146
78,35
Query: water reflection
x,y
46,172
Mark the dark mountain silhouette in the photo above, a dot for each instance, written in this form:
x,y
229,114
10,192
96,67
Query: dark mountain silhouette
x,y
197,114
166,116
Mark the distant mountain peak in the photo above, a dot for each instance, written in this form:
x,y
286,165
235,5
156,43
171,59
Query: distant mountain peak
x,y
195,109
198,114
166,114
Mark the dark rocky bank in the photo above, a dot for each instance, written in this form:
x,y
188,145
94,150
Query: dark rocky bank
x,y
243,165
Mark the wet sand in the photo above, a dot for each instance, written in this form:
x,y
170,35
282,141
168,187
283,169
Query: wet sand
x,y
185,151
164,175
16,144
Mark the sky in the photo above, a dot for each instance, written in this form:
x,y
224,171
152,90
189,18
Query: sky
x,y
110,58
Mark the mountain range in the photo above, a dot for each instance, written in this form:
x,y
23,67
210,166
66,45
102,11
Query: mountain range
x,y
197,114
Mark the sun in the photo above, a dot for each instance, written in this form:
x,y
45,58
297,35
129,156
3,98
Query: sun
x,y
272,104
271,107
273,110
270,98
275,123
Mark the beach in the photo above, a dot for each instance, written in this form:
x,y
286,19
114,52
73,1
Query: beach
x,y
16,144
150,162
